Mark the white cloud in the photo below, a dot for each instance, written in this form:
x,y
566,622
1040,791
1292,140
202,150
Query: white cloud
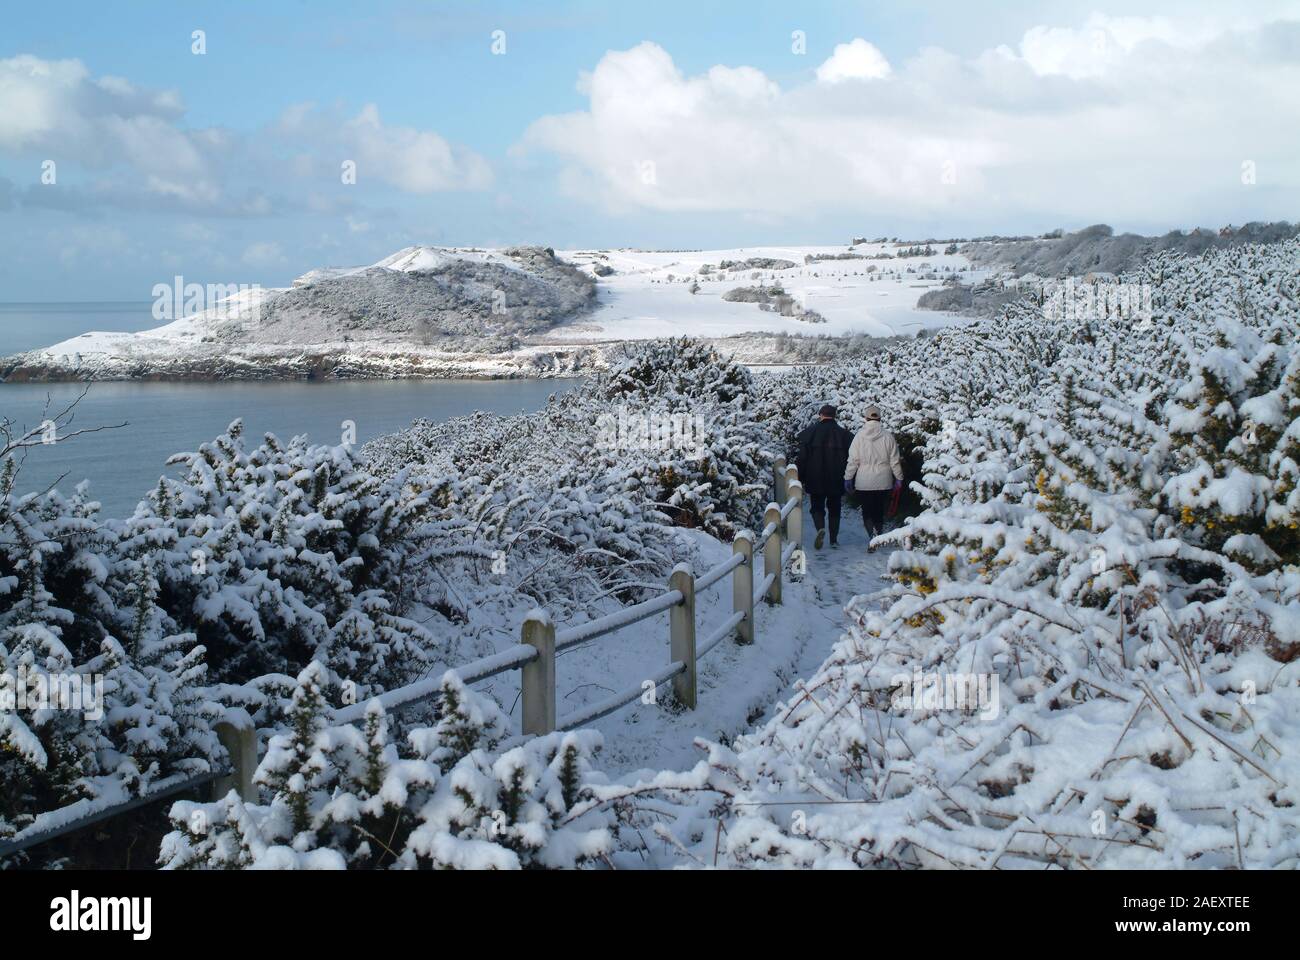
x,y
1102,42
115,143
263,254
413,160
57,108
418,161
1151,122
858,60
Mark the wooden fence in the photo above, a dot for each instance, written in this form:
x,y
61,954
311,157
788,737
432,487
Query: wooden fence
x,y
534,657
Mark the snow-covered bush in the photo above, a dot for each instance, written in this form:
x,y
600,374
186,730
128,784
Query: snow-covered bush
x,y
546,519
286,554
1088,655
98,700
566,508
223,585
678,371
455,795
716,481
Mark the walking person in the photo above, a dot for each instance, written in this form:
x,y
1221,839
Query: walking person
x,y
875,471
823,452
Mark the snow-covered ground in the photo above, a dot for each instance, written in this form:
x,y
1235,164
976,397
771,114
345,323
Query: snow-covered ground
x,y
183,333
737,684
649,294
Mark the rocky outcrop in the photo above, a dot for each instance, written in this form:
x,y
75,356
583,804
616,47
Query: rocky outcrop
x,y
526,290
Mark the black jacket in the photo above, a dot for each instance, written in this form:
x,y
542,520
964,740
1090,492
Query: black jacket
x,y
823,455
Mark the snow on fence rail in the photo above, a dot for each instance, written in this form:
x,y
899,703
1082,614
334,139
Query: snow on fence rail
x,y
534,657
237,735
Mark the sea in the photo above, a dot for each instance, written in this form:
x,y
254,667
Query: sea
x,y
121,434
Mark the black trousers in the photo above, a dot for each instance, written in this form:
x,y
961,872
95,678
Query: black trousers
x,y
874,503
822,506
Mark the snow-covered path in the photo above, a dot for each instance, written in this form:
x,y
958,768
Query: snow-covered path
x,y
834,577
738,685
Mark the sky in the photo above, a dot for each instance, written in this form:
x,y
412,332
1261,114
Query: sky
x,y
250,142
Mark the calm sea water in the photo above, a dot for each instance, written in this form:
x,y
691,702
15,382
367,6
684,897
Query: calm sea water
x,y
124,464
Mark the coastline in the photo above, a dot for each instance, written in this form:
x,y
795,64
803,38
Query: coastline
x,y
302,364
330,363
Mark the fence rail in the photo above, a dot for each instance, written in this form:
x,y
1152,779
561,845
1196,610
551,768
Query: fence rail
x,y
780,538
236,734
534,657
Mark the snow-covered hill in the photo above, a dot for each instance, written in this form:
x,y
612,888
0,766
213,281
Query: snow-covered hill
x,y
448,312
422,311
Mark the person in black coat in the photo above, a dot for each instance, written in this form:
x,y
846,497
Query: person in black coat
x,y
823,455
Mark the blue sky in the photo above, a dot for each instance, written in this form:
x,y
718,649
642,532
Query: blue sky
x,y
656,124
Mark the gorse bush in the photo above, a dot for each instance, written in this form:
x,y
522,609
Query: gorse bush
x,y
99,696
453,796
221,587
1107,548
368,568
286,554
718,480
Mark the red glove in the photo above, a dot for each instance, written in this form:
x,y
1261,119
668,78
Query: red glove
x,y
898,485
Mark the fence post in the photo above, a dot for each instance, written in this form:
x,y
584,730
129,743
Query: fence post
x,y
742,586
794,528
538,675
681,625
772,552
791,476
778,479
236,733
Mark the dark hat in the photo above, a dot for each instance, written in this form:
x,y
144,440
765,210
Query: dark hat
x,y
828,411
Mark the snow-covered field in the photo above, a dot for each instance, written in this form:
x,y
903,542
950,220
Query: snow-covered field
x,y
649,294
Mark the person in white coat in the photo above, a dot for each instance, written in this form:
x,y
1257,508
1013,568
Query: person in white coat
x,y
874,470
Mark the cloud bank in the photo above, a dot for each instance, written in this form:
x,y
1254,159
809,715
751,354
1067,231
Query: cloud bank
x,y
1136,117
117,145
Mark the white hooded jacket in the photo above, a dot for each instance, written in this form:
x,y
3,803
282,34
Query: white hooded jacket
x,y
874,461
